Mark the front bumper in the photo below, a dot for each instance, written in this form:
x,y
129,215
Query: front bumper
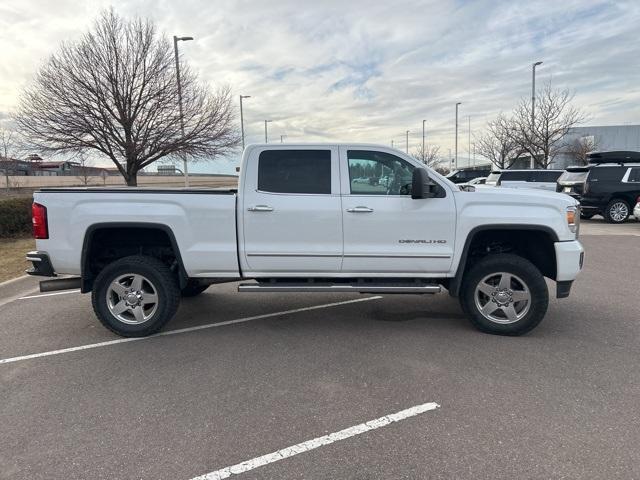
x,y
41,264
569,261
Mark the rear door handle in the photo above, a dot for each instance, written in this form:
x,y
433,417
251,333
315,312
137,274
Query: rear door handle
x,y
260,208
360,209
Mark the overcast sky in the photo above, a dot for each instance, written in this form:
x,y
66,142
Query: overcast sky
x,y
368,70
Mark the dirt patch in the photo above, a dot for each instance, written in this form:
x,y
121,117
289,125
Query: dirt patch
x,y
12,251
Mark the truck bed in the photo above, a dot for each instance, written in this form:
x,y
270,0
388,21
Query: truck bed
x,y
201,221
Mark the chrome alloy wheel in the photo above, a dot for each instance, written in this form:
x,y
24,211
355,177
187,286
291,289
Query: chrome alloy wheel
x,y
502,297
132,298
619,211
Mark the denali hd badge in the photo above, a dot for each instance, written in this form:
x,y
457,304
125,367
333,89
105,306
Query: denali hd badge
x,y
422,241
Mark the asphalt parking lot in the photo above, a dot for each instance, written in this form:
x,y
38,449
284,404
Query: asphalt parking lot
x,y
268,372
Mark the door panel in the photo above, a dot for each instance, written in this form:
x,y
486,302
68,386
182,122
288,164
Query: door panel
x,y
296,226
385,230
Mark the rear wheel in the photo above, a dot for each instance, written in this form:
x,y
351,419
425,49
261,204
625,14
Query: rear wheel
x,y
617,211
135,296
505,295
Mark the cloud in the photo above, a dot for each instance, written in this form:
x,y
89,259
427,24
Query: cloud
x,y
368,71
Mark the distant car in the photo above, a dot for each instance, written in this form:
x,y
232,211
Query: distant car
x,y
540,179
609,185
465,176
473,183
478,181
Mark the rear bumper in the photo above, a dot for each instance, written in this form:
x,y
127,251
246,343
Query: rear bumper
x,y
569,261
41,264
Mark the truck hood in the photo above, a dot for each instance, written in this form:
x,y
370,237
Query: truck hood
x,y
519,195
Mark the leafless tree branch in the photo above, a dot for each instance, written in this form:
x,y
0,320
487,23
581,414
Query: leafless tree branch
x,y
115,92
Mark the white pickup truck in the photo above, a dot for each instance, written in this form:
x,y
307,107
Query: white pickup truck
x,y
310,218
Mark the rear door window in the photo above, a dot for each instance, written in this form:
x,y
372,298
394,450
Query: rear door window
x,y
607,174
295,171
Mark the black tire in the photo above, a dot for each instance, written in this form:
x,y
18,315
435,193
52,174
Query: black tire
x,y
193,289
586,216
614,213
157,278
522,272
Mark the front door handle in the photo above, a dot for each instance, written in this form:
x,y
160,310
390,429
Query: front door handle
x,y
360,209
260,208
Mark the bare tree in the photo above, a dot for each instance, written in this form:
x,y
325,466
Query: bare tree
x,y
115,91
554,117
429,156
497,144
580,147
83,169
7,151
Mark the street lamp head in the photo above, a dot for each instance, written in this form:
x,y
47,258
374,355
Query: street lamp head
x,y
537,63
268,121
458,103
245,96
184,39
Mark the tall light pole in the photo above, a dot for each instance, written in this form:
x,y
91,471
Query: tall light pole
x,y
391,143
175,49
282,137
242,118
469,132
407,142
456,157
533,107
424,154
266,138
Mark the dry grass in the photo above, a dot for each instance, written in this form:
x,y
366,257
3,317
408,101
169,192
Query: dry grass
x,y
12,262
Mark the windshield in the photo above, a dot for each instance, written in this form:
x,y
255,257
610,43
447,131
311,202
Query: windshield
x,y
492,179
579,176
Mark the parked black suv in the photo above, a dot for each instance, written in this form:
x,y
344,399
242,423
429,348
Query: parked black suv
x,y
609,185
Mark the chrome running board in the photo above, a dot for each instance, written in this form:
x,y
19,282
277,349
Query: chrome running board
x,y
408,287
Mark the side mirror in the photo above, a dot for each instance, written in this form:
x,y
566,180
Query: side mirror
x,y
421,185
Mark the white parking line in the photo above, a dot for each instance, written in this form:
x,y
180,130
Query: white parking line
x,y
49,294
181,330
317,442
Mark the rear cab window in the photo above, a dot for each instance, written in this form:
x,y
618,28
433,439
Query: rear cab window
x,y
295,171
547,176
514,176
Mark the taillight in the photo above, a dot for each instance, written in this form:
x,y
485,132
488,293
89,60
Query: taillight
x,y
39,219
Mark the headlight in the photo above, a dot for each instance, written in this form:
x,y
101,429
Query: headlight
x,y
573,219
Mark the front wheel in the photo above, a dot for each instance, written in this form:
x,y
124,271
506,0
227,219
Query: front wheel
x,y
504,295
617,211
135,296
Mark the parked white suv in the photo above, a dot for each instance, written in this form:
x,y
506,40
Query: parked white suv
x,y
303,220
533,178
